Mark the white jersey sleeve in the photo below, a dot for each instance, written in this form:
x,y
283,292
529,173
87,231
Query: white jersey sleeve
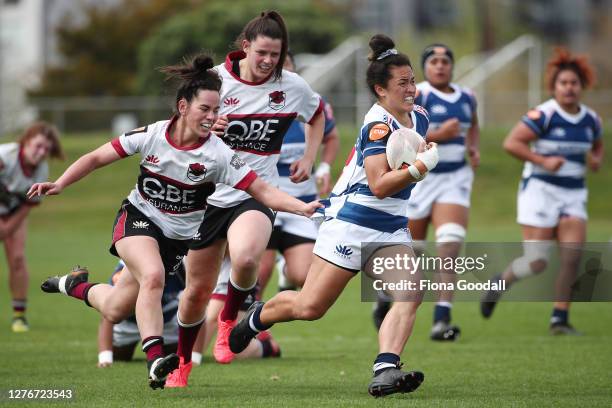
x,y
131,142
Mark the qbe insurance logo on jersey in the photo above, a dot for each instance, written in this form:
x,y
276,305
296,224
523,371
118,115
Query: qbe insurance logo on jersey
x,y
343,251
277,100
196,172
171,196
257,133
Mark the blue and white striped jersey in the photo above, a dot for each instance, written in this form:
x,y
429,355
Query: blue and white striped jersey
x,y
292,150
351,199
460,104
562,134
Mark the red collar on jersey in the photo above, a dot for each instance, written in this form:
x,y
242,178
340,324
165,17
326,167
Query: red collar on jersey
x,y
27,170
200,142
238,55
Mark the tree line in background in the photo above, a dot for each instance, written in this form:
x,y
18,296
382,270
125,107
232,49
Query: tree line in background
x,y
117,52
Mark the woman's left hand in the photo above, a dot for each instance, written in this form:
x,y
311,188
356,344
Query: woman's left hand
x,y
300,170
219,127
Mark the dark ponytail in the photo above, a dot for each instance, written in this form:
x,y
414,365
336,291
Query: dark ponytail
x,y
382,58
268,24
193,74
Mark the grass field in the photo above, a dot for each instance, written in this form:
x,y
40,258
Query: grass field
x,y
508,361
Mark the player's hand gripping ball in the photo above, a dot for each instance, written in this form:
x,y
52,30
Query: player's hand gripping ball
x,y
402,148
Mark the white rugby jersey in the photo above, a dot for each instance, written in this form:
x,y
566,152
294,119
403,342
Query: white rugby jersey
x,y
460,104
562,134
175,181
16,179
259,115
351,199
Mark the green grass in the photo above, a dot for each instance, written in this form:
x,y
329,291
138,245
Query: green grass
x,y
508,361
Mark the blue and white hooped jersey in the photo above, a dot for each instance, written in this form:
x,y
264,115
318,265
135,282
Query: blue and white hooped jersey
x,y
292,150
461,104
351,199
562,134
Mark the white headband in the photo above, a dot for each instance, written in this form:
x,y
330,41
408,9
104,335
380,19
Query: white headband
x,y
385,54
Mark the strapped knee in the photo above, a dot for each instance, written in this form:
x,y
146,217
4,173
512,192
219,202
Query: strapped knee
x,y
450,232
419,246
534,260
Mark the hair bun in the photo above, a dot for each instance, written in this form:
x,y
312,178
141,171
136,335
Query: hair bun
x,y
379,43
203,63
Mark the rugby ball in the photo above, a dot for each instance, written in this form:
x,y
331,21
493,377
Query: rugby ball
x,y
402,148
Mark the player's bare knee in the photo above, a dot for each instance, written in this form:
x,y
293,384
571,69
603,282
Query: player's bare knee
x,y
153,281
114,314
246,262
17,264
309,311
198,295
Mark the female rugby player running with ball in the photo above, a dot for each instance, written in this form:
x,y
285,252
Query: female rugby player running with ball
x,y
368,204
443,198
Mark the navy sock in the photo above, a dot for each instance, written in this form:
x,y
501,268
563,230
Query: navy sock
x,y
442,313
559,316
385,361
256,323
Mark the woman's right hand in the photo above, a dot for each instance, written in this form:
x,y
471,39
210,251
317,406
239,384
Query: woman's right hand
x,y
552,163
450,128
46,188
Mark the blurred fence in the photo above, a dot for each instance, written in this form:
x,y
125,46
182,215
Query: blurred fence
x,y
503,108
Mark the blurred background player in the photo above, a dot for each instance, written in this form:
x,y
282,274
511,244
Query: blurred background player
x,y
368,204
22,164
565,138
117,341
261,100
443,198
294,236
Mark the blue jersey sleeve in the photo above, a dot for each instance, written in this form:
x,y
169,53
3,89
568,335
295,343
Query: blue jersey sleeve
x,y
373,138
418,100
536,120
597,128
422,120
330,121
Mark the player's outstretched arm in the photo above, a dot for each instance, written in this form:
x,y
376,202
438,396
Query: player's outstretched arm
x,y
278,200
87,163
